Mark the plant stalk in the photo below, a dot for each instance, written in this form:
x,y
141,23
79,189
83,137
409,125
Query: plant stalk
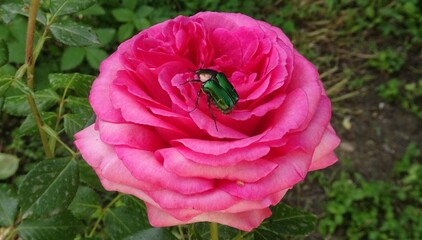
x,y
214,231
30,63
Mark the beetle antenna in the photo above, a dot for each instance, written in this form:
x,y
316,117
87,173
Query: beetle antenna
x,y
191,80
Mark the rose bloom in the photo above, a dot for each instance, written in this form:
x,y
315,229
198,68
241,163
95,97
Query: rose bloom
x,y
150,141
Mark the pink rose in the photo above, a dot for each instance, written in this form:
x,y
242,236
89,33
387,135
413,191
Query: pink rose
x,y
148,142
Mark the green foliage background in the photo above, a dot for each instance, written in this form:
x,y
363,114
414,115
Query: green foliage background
x,y
353,43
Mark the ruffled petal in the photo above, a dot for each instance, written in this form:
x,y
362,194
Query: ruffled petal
x,y
131,135
288,117
230,158
144,166
245,221
105,161
243,171
324,155
99,97
213,200
291,169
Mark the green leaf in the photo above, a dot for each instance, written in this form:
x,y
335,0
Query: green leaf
x,y
12,9
4,53
18,105
123,222
29,126
8,165
144,11
5,83
16,44
152,233
63,226
73,34
49,188
79,105
89,177
7,71
81,83
105,35
130,4
286,221
125,31
72,57
123,14
85,203
6,16
4,31
63,7
95,56
136,206
94,10
73,123
142,23
8,205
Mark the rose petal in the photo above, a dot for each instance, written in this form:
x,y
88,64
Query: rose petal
x,y
288,117
213,200
99,97
291,169
132,135
89,139
205,122
245,221
243,171
305,77
217,147
144,166
245,205
229,158
324,155
105,161
310,138
134,112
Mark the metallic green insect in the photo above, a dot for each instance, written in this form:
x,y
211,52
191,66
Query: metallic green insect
x,y
218,90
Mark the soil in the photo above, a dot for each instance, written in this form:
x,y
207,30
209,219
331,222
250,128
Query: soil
x,y
379,135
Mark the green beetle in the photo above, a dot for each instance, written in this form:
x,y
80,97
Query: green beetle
x,y
218,90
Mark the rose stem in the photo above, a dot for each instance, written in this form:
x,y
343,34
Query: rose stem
x,y
30,62
214,231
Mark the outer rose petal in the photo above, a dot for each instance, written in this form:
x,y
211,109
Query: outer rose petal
x,y
324,155
129,135
105,162
100,91
292,168
145,167
245,221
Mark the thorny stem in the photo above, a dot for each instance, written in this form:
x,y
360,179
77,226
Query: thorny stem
x,y
30,63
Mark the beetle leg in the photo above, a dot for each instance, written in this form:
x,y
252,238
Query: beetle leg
x,y
196,101
212,113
